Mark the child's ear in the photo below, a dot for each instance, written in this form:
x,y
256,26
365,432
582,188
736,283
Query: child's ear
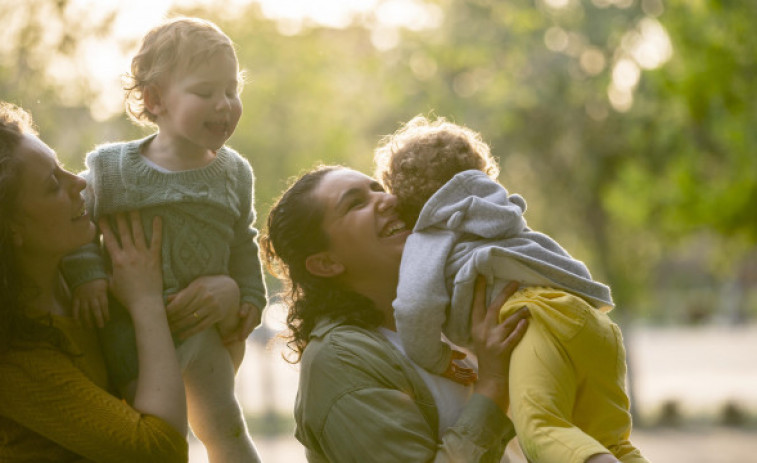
x,y
152,99
323,265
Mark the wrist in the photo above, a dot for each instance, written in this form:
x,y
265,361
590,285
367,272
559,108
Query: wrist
x,y
496,389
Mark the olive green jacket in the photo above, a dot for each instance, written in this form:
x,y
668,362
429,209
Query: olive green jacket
x,y
361,400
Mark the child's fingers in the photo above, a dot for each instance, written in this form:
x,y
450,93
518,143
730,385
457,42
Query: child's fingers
x,y
248,324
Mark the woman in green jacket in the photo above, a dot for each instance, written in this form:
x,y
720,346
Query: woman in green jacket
x,y
336,241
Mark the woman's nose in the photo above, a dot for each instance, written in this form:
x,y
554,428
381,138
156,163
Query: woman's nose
x,y
386,202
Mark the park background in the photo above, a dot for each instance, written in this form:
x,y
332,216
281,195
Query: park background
x,y
628,125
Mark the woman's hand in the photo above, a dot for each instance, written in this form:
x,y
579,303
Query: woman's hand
x,y
494,342
138,283
203,303
137,267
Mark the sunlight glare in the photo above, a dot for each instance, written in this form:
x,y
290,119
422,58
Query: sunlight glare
x,y
650,46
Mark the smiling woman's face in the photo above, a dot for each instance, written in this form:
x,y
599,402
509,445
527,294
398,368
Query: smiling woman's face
x,y
50,219
365,234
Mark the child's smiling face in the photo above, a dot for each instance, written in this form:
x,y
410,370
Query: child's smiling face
x,y
200,105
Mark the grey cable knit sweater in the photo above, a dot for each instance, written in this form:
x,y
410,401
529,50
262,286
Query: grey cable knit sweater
x,y
207,217
472,226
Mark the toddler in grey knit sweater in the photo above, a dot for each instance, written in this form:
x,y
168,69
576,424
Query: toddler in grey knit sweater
x,y
185,82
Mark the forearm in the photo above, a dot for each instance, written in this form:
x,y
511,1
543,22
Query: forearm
x,y
160,389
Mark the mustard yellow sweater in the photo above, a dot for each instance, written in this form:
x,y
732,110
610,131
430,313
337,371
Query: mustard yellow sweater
x,y
55,407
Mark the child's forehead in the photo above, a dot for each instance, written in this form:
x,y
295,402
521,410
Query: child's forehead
x,y
211,65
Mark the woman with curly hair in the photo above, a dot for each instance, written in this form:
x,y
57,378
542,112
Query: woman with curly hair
x,y
55,404
335,239
568,397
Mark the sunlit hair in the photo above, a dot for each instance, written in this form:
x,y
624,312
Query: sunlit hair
x,y
172,47
16,328
420,157
294,231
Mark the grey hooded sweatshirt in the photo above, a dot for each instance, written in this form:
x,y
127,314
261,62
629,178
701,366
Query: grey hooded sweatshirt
x,y
472,226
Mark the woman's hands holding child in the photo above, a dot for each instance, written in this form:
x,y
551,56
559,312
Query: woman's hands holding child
x,y
494,342
137,267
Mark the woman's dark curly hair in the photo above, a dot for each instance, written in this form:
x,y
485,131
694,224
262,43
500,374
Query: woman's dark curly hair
x,y
293,232
420,157
16,328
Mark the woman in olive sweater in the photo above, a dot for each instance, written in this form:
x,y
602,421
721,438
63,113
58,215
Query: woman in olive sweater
x,y
54,399
337,240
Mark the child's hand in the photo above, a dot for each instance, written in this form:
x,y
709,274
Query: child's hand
x,y
249,319
237,330
458,374
90,303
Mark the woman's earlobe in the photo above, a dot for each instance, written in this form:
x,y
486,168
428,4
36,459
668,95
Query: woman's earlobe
x,y
322,265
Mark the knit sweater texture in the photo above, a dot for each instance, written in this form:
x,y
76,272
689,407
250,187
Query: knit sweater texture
x,y
207,216
54,407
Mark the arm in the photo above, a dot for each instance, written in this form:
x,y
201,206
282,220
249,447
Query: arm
x,y
138,284
244,260
84,271
422,300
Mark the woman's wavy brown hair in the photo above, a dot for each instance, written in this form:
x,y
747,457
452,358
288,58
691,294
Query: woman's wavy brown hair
x,y
293,232
420,157
17,330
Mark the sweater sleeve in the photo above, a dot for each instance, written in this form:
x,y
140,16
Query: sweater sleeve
x,y
86,263
244,261
543,388
45,392
422,301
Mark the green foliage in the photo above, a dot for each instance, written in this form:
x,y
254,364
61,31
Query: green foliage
x,y
616,187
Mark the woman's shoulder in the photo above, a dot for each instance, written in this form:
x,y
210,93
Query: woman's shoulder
x,y
358,354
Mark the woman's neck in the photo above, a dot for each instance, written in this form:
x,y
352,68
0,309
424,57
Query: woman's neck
x,y
47,294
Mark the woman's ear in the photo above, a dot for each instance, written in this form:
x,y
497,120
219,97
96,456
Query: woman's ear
x,y
322,265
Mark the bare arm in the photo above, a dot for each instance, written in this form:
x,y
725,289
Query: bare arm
x,y
137,282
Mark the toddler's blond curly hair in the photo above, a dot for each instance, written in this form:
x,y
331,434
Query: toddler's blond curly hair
x,y
420,157
172,47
